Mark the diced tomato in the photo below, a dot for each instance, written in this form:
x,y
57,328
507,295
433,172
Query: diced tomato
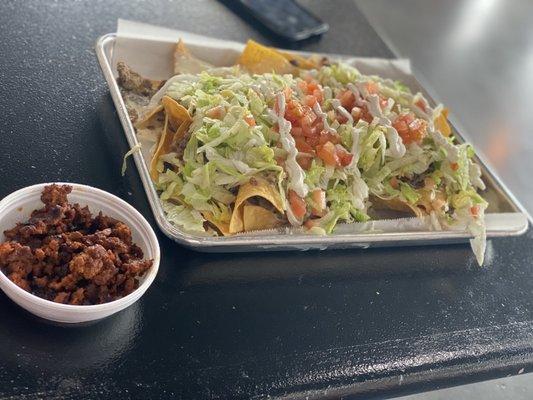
x,y
304,162
420,131
296,131
383,102
287,92
308,78
302,145
394,183
345,157
420,103
217,112
319,95
410,117
347,99
298,205
313,141
401,126
328,154
365,115
280,161
341,118
372,87
410,129
454,166
319,126
332,137
293,111
309,114
474,210
306,122
309,100
318,197
310,223
312,86
249,120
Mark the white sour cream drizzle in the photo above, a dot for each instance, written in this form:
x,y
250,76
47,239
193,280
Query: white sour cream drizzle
x,y
294,171
452,152
261,87
358,100
396,147
342,111
358,188
417,110
328,94
361,87
322,115
474,171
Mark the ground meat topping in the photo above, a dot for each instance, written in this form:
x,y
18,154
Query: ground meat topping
x,y
65,255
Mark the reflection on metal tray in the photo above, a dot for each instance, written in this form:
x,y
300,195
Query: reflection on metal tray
x,y
505,217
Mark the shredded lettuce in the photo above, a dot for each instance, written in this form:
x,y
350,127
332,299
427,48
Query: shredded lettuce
x,y
239,130
409,193
184,217
314,174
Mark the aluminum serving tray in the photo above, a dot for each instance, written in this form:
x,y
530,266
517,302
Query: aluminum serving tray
x,y
505,217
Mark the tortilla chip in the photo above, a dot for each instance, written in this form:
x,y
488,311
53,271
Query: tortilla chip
x,y
441,123
298,61
186,63
164,142
223,227
176,118
259,59
175,111
256,187
180,133
256,218
148,117
397,205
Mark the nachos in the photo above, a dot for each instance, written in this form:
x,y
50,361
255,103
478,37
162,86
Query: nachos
x,y
283,140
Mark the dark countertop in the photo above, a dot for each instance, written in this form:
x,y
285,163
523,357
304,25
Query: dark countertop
x,y
369,322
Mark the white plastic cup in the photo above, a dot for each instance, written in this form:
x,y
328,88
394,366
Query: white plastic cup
x,y
18,206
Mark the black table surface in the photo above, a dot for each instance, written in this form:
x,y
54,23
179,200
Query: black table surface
x,y
319,324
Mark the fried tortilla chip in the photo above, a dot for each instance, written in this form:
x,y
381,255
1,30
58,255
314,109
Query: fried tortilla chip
x,y
175,111
177,121
180,133
259,59
223,227
299,61
441,123
148,117
164,142
397,205
186,63
256,187
256,218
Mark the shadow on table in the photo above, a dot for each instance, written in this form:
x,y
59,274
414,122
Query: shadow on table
x,y
330,265
61,347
